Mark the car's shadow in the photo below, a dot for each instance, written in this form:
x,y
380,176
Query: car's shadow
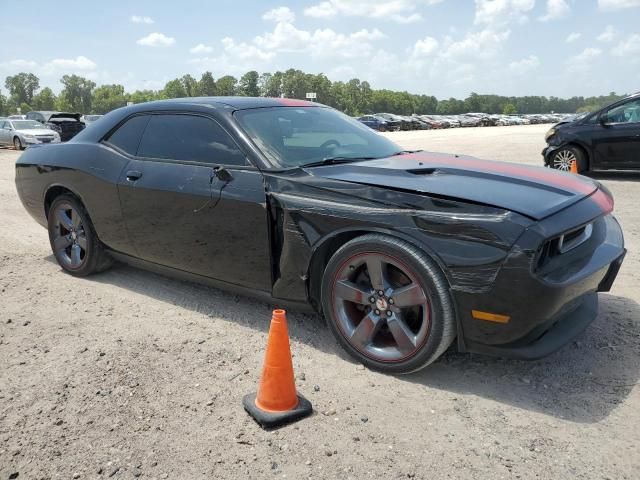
x,y
583,382
622,176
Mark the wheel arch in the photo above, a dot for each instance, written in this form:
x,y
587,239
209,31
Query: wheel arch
x,y
54,191
325,248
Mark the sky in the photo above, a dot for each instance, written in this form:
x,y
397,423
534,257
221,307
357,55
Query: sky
x,y
446,48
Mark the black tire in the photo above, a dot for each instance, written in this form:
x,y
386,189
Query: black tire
x,y
80,234
416,267
561,159
17,144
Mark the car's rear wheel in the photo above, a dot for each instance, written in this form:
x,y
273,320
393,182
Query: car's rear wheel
x,y
73,239
388,304
563,158
17,144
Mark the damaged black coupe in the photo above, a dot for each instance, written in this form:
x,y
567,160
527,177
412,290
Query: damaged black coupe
x,y
402,252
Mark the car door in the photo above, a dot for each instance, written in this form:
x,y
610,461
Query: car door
x,y
192,201
617,142
4,132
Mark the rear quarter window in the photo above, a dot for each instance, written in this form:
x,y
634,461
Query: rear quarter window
x,y
127,136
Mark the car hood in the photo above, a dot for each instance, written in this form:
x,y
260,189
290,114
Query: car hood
x,y
36,131
536,192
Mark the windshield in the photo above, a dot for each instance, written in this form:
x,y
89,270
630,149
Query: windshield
x,y
292,136
26,124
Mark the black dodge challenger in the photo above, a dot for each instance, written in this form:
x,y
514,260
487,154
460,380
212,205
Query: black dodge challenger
x,y
402,252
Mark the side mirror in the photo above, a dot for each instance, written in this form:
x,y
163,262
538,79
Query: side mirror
x,y
603,121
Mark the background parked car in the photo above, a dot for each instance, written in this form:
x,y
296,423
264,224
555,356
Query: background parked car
x,y
380,124
17,117
404,123
65,123
21,133
87,119
606,139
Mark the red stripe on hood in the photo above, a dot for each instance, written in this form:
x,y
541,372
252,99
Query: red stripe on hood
x,y
545,175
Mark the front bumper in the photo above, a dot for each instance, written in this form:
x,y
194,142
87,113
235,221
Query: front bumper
x,y
38,141
547,153
546,310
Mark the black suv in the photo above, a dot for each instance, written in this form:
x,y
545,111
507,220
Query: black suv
x,y
603,140
66,124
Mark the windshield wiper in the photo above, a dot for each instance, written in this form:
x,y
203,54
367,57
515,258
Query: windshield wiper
x,y
335,161
403,152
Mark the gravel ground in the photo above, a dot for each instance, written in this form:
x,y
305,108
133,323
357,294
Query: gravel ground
x,y
128,374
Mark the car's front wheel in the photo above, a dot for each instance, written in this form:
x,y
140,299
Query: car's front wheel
x,y
565,156
73,239
17,144
388,304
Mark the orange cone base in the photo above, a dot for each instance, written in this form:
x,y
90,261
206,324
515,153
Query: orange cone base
x,y
270,420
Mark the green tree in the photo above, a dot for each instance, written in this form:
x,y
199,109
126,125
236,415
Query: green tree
x,y
207,85
248,85
25,107
3,105
141,96
271,84
509,109
107,98
173,89
63,104
44,100
190,85
22,87
226,85
77,92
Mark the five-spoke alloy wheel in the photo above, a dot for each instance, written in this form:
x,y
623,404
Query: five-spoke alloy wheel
x,y
73,239
388,304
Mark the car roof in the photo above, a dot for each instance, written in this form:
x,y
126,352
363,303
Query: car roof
x,y
240,103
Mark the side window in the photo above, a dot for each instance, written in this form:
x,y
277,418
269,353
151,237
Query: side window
x,y
127,136
190,138
626,113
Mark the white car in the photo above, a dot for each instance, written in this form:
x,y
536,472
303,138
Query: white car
x,y
21,133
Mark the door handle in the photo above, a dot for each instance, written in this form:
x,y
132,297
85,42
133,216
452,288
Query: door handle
x,y
133,175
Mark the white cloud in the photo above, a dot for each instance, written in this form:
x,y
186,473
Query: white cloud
x,y
201,48
555,9
629,48
280,14
69,65
141,19
482,44
583,60
573,37
287,38
502,12
525,65
156,40
18,64
425,47
608,35
400,11
617,4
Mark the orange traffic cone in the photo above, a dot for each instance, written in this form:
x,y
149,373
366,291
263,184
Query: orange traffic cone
x,y
574,167
277,402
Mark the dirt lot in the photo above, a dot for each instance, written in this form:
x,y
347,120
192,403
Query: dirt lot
x,y
128,374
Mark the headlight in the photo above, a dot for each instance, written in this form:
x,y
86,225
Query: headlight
x,y
551,132
28,135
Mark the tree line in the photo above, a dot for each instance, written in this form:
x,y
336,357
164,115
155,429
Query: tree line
x,y
353,97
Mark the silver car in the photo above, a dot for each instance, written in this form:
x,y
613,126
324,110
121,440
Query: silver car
x,y
21,133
